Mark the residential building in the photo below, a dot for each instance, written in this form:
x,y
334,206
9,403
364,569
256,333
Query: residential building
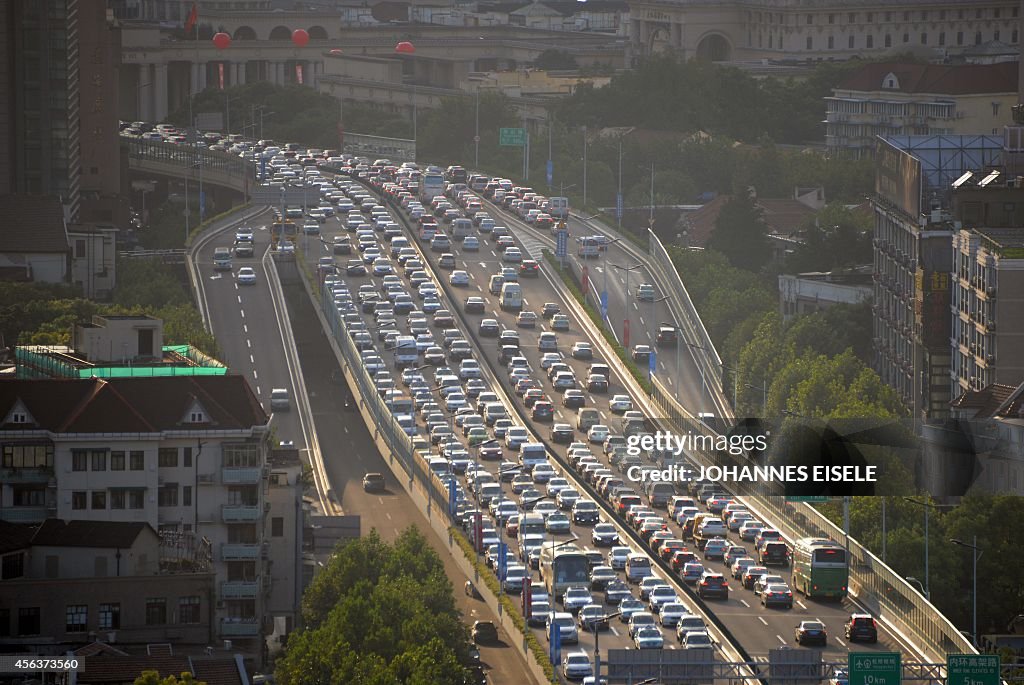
x,y
727,30
184,454
913,260
807,293
35,245
289,519
987,283
94,259
65,583
887,98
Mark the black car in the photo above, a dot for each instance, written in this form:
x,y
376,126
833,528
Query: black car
x,y
475,305
561,433
861,628
529,268
543,411
713,585
597,384
550,309
374,482
667,336
574,399
507,353
484,631
811,632
489,328
508,338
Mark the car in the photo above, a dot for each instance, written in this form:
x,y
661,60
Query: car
x,y
512,254
765,580
471,243
692,572
526,319
246,275
861,628
576,666
670,613
543,411
811,632
667,336
446,261
592,617
566,625
355,267
574,399
696,639
620,404
605,535
550,309
648,637
715,549
641,354
529,268
777,595
597,383
617,591
582,350
489,328
751,576
645,292
563,380
562,433
660,595
374,482
557,523
598,433
459,278
617,556
475,305
576,597
559,322
484,632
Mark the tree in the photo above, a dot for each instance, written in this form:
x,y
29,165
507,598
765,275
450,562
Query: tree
x,y
741,234
153,678
837,237
553,58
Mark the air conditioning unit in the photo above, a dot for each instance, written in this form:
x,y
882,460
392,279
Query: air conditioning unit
x,y
990,359
990,292
991,325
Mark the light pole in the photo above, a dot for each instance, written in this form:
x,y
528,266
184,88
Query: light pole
x,y
407,48
584,166
618,196
920,587
625,317
476,138
927,506
703,384
604,287
597,644
976,553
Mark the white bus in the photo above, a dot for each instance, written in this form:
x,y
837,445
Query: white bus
x,y
563,566
431,186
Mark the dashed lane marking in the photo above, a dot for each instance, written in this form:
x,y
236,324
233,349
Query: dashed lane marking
x,y
761,619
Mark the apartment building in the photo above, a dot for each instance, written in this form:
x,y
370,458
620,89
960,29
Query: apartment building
x,y
988,283
889,99
185,455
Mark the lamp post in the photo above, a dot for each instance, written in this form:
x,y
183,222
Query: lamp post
x,y
476,138
625,318
917,583
604,287
976,553
703,384
597,645
584,166
927,506
407,48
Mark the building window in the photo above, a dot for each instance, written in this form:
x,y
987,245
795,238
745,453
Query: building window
x,y
924,39
117,461
810,19
78,499
186,496
831,42
79,460
117,499
888,41
850,43
851,18
77,618
1013,36
99,499
277,526
906,37
977,38
831,18
136,499
13,566
995,35
959,37
109,617
924,15
167,457
197,417
28,621
99,461
188,609
167,495
28,456
870,41
5,622
906,16
942,38
977,14
79,249
186,457
156,611
136,460
810,43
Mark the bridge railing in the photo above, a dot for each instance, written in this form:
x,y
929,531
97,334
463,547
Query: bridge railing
x,y
224,164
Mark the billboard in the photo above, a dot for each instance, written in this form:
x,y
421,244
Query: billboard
x,y
395,149
898,178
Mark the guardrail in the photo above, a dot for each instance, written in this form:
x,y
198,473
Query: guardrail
x,y
218,168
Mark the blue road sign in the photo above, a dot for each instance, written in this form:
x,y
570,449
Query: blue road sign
x,y
452,502
618,206
562,244
202,205
502,561
604,304
556,644
551,171
652,362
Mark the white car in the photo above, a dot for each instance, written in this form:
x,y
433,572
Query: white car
x,y
469,368
620,404
246,275
597,433
576,666
459,278
512,254
670,614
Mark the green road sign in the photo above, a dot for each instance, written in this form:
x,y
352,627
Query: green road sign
x,y
512,137
972,669
875,668
807,498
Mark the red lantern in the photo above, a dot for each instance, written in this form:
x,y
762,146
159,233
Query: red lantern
x,y
221,40
405,47
300,37
336,51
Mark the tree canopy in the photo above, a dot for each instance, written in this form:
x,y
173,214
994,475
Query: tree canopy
x,y
379,614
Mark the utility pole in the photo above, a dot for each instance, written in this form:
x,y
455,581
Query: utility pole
x,y
476,138
618,197
584,166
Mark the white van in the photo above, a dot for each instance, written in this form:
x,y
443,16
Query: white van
x,y
222,259
638,567
532,453
494,285
511,297
461,228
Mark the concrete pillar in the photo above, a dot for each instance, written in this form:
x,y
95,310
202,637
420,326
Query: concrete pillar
x,y
202,76
272,73
193,78
318,71
239,74
160,92
677,35
282,76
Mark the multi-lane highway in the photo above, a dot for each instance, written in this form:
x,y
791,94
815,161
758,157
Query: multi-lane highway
x,y
251,326
757,629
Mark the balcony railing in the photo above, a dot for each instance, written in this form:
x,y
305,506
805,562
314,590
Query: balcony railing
x,y
237,513
240,589
241,476
25,514
26,475
239,551
247,627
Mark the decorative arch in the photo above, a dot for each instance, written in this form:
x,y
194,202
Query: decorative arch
x,y
714,47
244,33
659,39
280,33
317,33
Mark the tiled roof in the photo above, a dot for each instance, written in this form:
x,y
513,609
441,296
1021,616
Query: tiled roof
x,y
702,222
97,648
943,79
111,668
784,216
217,671
141,405
14,536
32,223
986,401
81,533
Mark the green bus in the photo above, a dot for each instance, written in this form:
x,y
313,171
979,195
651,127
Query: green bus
x,y
820,568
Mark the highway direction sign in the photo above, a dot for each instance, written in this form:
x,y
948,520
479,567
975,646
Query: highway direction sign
x,y
972,669
562,244
512,137
293,195
875,668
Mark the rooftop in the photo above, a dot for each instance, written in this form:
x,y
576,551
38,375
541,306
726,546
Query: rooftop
x,y
96,534
1001,239
33,223
51,361
940,79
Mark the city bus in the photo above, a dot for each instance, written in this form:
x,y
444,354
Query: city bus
x,y
820,568
431,185
563,566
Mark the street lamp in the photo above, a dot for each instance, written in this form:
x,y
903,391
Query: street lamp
x,y
597,643
974,601
703,384
625,319
407,48
920,587
927,506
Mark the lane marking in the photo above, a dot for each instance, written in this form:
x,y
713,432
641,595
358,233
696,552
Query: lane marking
x,y
841,643
744,603
245,328
761,619
248,343
251,360
642,322
239,299
388,514
802,605
242,312
381,500
257,390
780,639
255,375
